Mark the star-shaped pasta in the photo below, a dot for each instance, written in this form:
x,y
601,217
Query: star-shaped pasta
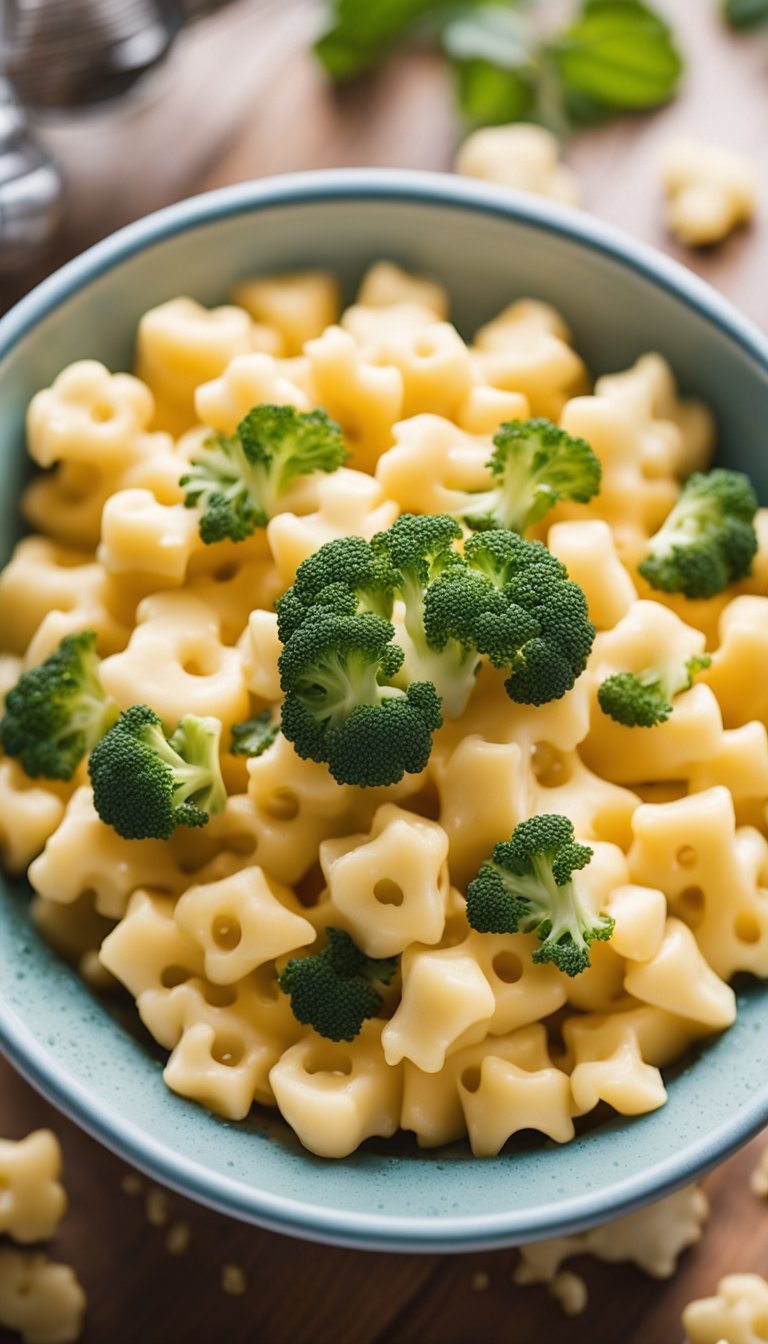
x,y
391,884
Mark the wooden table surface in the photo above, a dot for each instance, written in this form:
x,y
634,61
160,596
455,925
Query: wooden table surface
x,y
268,110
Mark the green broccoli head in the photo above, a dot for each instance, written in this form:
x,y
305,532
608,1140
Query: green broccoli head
x,y
145,785
253,736
527,886
419,547
340,708
643,699
57,711
335,990
535,464
709,538
344,575
238,481
513,601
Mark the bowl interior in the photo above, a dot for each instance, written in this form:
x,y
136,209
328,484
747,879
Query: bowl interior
x,y
488,249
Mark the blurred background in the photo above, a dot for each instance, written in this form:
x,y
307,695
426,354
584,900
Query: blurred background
x,y
110,109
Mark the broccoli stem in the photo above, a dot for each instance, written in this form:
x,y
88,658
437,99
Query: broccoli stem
x,y
452,669
344,683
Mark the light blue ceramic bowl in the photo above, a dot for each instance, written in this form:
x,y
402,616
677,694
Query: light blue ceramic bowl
x,y
488,247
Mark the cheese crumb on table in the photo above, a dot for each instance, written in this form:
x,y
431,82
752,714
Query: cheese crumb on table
x,y
158,1207
526,158
42,1300
178,1238
131,1184
652,1238
737,1314
233,1280
710,191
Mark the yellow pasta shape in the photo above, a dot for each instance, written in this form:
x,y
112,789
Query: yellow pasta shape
x,y
484,790
33,1201
84,854
441,1107
526,349
648,636
523,991
741,764
297,305
260,649
390,884
588,551
738,673
91,417
42,578
41,1300
610,1068
364,398
736,1314
349,504
640,916
436,368
678,978
181,344
373,327
76,931
30,811
141,536
241,922
613,430
175,658
297,805
235,591
501,1097
336,1096
649,387
446,1003
711,875
432,464
385,284
245,382
485,408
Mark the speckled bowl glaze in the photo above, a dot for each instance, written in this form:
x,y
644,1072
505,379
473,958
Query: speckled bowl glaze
x,y
488,247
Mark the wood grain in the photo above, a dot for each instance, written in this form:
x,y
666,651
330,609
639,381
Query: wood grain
x,y
242,98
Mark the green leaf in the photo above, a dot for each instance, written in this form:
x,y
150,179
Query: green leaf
x,y
620,54
364,32
253,736
746,13
489,96
493,53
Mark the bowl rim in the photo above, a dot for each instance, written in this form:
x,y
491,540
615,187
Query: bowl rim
x,y
292,1216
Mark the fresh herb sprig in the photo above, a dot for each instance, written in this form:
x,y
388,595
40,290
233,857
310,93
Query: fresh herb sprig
x,y
614,56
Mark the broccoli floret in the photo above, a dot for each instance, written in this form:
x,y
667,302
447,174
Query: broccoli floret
x,y
339,704
528,886
253,736
334,990
535,464
709,538
344,575
57,711
145,785
420,551
238,481
513,602
643,699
